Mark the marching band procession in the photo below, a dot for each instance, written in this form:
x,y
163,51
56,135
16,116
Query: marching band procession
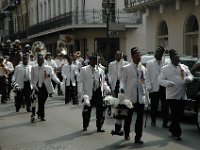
x,y
125,87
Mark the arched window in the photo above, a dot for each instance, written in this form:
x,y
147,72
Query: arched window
x,y
191,36
163,34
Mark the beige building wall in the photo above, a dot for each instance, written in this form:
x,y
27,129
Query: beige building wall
x,y
176,20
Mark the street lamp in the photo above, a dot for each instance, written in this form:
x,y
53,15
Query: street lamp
x,y
107,30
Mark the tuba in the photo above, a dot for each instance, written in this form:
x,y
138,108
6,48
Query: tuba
x,y
61,47
38,47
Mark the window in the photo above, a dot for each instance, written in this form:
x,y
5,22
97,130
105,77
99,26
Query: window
x,y
191,36
163,35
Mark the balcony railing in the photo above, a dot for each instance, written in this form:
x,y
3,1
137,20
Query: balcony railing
x,y
141,3
89,17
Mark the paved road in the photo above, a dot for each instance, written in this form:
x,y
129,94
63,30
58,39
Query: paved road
x,y
63,131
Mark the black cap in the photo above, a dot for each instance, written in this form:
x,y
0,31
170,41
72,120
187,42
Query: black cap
x,y
160,49
172,53
93,56
134,50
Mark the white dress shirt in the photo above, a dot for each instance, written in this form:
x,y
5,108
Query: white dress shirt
x,y
133,77
69,72
153,68
179,76
91,79
114,72
22,73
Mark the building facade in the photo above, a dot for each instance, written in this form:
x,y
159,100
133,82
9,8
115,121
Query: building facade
x,y
14,20
85,25
170,23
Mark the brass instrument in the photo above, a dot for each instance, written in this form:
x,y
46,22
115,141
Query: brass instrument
x,y
61,47
38,47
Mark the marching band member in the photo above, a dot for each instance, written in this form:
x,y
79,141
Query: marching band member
x,y
92,83
156,91
174,77
76,62
69,74
41,76
22,77
60,61
79,58
10,73
52,63
133,84
3,80
114,73
18,53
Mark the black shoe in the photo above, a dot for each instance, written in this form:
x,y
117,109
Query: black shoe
x,y
165,126
84,129
126,137
139,142
100,130
3,102
42,119
178,138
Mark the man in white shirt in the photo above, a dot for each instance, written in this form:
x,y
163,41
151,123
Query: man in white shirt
x,y
174,77
92,83
115,73
133,84
3,79
10,73
41,76
156,92
69,74
60,61
22,76
52,63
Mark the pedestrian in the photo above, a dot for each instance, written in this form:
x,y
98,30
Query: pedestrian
x,y
133,83
10,74
69,74
156,91
114,72
3,79
174,77
41,76
60,61
92,83
22,77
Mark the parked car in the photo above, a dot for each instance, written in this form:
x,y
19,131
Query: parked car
x,y
193,92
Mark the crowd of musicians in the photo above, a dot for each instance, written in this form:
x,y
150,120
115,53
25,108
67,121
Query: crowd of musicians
x,y
29,74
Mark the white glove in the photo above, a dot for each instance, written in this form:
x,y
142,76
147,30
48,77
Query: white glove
x,y
170,84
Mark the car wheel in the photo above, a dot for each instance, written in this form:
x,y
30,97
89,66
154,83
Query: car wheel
x,y
198,118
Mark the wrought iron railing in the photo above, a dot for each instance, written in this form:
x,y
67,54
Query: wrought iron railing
x,y
136,3
89,17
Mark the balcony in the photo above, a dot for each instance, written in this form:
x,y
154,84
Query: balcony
x,y
9,4
134,5
87,19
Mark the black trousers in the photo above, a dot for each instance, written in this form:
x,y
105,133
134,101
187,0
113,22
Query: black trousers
x,y
177,111
42,97
23,96
96,101
3,88
59,75
70,93
9,85
155,97
139,109
117,88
